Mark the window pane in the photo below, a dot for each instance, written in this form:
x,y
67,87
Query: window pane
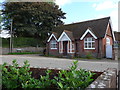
x,y
72,46
85,45
53,44
89,42
93,44
85,39
89,39
89,45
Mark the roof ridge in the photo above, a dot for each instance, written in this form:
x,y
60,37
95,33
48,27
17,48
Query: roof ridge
x,y
87,21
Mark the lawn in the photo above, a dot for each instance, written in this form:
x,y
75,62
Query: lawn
x,y
22,53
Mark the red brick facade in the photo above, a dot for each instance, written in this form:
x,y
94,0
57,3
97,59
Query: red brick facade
x,y
99,51
83,52
52,51
110,36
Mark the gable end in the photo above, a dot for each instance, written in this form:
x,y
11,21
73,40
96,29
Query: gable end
x,y
109,31
52,35
63,35
88,31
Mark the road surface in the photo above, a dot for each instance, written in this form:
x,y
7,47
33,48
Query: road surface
x,y
60,63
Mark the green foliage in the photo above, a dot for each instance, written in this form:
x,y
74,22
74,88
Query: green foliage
x,y
5,42
23,42
22,53
14,77
89,56
0,20
32,18
74,78
43,82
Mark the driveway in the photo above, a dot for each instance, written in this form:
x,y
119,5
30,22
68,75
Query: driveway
x,y
60,63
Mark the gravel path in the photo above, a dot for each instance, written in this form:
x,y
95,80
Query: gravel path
x,y
39,61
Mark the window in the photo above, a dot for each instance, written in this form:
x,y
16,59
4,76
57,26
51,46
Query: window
x,y
53,44
89,43
108,41
116,44
72,46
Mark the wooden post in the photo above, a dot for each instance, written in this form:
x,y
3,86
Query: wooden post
x,y
11,37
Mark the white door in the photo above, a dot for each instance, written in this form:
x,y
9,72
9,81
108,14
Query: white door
x,y
108,51
108,48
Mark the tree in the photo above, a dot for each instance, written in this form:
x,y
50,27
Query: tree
x,y
0,20
32,18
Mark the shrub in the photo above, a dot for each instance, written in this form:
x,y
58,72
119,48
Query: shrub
x,y
43,82
15,77
73,78
23,42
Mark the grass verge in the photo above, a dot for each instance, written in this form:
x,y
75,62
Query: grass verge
x,y
22,53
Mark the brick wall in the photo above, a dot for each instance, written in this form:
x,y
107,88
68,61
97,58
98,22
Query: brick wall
x,y
83,52
25,49
108,35
52,51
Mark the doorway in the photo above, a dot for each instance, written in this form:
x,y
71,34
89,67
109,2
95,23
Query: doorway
x,y
108,48
65,48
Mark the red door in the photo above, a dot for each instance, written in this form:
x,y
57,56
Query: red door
x,y
65,47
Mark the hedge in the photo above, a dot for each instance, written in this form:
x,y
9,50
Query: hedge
x,y
22,42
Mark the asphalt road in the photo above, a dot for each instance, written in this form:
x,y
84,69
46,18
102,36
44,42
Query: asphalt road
x,y
60,63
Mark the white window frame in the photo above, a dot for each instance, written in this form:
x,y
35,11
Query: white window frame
x,y
89,42
52,43
61,48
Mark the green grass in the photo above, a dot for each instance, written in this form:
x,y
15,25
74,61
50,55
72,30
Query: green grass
x,y
22,42
87,58
22,53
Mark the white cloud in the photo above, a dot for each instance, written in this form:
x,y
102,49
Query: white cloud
x,y
114,18
105,5
109,5
94,5
62,2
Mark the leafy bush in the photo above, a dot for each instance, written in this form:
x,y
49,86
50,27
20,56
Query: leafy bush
x,y
43,82
22,42
73,78
15,77
25,42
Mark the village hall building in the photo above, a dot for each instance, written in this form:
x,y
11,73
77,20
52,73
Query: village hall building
x,y
93,37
